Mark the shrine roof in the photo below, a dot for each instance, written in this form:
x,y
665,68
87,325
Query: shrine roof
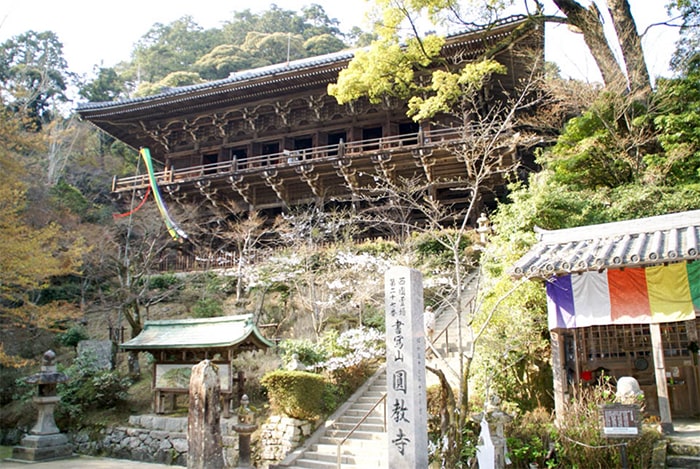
x,y
225,331
631,243
316,66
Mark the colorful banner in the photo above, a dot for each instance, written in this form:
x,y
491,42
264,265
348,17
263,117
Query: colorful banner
x,y
664,293
173,229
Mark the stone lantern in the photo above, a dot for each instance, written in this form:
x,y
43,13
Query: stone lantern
x,y
44,441
244,427
483,228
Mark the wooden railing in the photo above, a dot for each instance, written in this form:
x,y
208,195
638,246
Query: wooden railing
x,y
292,158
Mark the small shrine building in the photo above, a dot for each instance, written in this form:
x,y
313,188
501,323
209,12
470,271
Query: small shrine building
x,y
179,344
623,300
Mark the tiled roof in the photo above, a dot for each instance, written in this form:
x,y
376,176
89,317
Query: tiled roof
x,y
309,64
632,243
225,331
236,77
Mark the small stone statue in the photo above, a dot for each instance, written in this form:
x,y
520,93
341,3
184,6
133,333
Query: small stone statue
x,y
294,364
245,415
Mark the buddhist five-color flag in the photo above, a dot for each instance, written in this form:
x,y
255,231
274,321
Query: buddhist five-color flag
x,y
174,230
664,293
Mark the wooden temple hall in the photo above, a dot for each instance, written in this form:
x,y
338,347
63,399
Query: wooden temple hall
x,y
272,137
623,299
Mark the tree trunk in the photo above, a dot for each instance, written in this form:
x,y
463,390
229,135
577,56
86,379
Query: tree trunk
x,y
631,45
591,26
450,427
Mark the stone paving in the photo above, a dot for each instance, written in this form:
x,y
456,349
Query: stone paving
x,y
83,462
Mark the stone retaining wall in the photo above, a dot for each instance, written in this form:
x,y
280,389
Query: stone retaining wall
x,y
279,436
151,438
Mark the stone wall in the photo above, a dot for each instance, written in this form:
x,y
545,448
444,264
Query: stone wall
x,y
151,438
279,436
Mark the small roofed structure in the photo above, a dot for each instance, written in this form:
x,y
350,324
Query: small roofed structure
x,y
623,300
179,344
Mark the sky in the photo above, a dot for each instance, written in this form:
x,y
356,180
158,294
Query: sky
x,y
103,33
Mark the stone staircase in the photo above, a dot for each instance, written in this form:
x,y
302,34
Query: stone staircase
x,y
682,448
366,447
360,423
444,353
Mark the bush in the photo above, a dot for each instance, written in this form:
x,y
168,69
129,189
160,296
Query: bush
x,y
297,394
529,439
579,442
72,336
89,386
309,353
163,281
207,308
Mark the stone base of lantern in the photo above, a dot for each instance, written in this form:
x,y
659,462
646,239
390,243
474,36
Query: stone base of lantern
x,y
36,448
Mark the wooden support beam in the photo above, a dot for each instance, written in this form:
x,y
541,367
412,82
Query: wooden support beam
x,y
657,348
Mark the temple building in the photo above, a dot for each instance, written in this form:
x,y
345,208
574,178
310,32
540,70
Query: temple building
x,y
272,138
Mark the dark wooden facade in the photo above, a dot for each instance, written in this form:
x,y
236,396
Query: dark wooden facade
x,y
271,138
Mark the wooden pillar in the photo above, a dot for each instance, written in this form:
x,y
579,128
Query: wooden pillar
x,y
559,374
691,328
657,347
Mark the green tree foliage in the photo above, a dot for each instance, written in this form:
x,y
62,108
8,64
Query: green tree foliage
x,y
323,44
223,60
174,47
183,53
618,142
106,86
274,47
34,75
686,58
385,69
313,21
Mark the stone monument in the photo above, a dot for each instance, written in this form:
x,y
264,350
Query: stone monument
x,y
204,440
45,441
405,369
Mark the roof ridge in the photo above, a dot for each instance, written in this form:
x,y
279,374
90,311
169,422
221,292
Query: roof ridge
x,y
619,228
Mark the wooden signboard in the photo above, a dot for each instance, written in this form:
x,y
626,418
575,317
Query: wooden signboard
x,y
621,420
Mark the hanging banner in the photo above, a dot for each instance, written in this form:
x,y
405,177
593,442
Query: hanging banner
x,y
658,294
174,230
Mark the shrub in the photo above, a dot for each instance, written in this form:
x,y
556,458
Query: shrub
x,y
579,440
72,336
529,439
89,386
163,281
207,308
309,353
297,394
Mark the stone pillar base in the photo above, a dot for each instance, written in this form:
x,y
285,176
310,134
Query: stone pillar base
x,y
42,448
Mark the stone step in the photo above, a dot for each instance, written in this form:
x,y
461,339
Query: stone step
x,y
683,449
353,420
377,412
358,439
373,459
370,399
325,448
315,464
678,462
